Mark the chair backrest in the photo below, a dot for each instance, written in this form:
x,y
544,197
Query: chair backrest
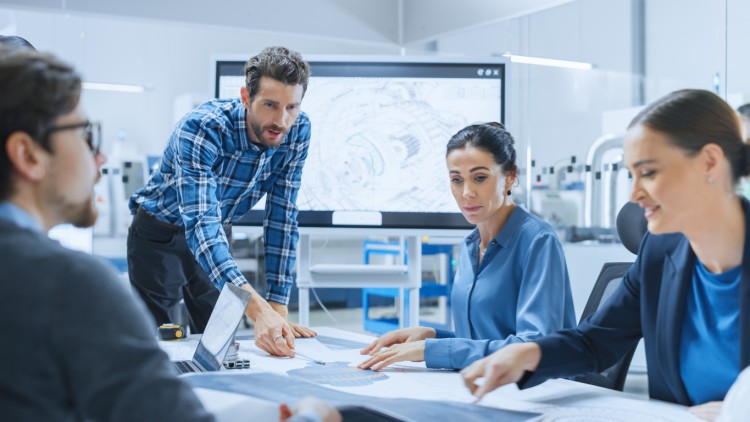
x,y
610,278
631,226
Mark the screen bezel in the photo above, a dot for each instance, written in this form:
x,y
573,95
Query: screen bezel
x,y
390,65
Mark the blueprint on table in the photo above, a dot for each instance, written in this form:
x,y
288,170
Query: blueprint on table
x,y
280,388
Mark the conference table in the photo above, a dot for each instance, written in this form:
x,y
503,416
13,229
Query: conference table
x,y
405,391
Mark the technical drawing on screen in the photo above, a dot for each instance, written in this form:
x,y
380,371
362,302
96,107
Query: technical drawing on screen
x,y
379,131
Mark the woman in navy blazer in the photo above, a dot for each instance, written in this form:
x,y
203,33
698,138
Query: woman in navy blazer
x,y
688,293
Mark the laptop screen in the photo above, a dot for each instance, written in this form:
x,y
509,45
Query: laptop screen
x,y
221,326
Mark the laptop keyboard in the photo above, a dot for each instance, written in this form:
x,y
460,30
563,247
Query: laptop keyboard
x,y
184,366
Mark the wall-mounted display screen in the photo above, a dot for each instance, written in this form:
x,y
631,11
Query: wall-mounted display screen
x,y
379,132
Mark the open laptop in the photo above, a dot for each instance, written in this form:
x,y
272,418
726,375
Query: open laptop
x,y
219,332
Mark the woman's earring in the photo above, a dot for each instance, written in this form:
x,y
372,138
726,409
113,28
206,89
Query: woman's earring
x,y
710,180
508,192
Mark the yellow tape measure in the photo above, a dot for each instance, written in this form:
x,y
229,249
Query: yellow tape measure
x,y
171,331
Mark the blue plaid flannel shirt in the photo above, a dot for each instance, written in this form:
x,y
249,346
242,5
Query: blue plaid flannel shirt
x,y
211,174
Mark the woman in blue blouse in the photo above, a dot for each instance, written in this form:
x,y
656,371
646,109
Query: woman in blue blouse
x,y
688,293
512,282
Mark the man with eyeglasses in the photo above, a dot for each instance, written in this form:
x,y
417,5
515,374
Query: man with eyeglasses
x,y
221,159
76,345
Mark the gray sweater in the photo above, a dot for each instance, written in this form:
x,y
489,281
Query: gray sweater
x,y
76,345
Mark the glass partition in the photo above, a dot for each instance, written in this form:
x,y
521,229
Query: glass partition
x,y
568,123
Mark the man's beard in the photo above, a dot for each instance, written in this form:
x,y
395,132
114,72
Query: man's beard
x,y
81,215
258,131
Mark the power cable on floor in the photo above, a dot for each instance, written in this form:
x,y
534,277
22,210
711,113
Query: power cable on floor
x,y
317,299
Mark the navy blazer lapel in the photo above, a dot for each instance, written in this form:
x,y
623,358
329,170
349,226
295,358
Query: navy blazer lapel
x,y
745,293
745,307
676,279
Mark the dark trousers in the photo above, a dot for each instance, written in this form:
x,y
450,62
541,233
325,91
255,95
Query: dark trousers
x,y
163,270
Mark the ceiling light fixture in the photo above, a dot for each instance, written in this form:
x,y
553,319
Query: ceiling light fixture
x,y
97,86
568,64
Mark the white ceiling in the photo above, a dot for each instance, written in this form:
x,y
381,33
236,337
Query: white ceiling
x,y
426,20
398,22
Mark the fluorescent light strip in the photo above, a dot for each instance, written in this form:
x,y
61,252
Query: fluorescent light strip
x,y
113,87
549,62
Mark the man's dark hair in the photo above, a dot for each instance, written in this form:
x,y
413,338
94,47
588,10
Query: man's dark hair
x,y
14,41
279,63
36,89
744,111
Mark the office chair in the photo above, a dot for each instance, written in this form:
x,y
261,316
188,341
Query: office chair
x,y
631,226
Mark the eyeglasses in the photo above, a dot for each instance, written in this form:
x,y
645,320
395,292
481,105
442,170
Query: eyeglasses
x,y
90,132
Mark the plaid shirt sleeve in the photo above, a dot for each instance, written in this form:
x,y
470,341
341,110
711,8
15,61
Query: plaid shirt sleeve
x,y
197,150
280,223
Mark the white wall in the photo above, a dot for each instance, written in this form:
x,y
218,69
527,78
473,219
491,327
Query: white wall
x,y
687,46
431,19
706,39
362,20
558,111
684,45
171,57
738,57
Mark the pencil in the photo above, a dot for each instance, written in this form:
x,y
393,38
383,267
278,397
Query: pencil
x,y
304,356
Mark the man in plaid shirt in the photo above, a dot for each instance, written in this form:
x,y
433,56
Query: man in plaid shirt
x,y
220,160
